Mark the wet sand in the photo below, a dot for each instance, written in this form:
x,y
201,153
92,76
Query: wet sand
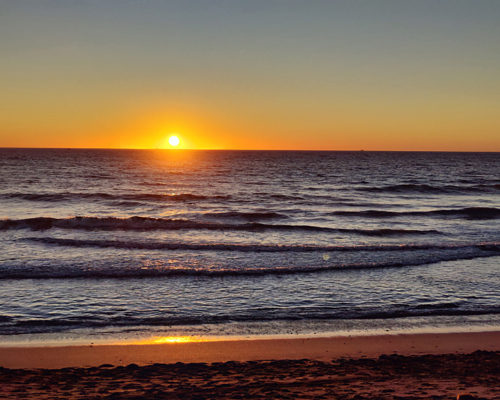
x,y
321,348
436,366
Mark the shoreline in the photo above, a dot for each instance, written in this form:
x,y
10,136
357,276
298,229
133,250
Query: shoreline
x,y
311,328
312,348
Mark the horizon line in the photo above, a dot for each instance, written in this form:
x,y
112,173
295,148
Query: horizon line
x,y
222,149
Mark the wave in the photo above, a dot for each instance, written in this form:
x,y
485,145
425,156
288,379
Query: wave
x,y
467,212
54,324
438,305
149,223
424,257
54,197
430,189
278,196
261,248
247,216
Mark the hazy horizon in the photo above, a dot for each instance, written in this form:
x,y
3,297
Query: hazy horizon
x,y
249,150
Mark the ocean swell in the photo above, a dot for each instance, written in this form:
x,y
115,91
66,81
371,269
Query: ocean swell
x,y
72,270
149,223
431,189
473,213
261,248
55,197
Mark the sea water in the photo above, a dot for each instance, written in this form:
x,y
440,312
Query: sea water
x,y
121,244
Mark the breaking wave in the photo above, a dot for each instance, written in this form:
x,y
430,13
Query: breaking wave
x,y
408,256
247,216
49,324
54,197
149,223
431,189
467,212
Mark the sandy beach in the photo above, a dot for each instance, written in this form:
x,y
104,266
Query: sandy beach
x,y
412,366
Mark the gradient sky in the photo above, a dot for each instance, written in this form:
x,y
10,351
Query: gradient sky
x,y
275,74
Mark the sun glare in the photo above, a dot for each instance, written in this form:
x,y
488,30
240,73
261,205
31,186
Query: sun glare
x,y
170,339
174,339
174,141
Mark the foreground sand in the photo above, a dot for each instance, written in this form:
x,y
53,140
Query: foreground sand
x,y
319,368
323,349
388,377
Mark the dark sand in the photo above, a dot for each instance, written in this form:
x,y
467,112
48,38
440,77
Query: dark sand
x,y
388,377
407,375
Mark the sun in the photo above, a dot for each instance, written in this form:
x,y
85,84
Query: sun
x,y
174,141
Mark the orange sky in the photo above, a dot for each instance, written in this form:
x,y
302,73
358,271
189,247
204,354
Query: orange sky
x,y
257,75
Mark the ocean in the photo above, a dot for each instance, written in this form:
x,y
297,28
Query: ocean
x,y
117,245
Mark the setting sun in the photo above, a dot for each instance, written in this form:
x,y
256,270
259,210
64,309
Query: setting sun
x,y
174,141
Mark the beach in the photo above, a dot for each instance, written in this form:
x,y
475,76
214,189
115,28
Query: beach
x,y
292,274
412,366
249,200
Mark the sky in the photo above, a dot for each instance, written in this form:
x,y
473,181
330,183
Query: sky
x,y
230,74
